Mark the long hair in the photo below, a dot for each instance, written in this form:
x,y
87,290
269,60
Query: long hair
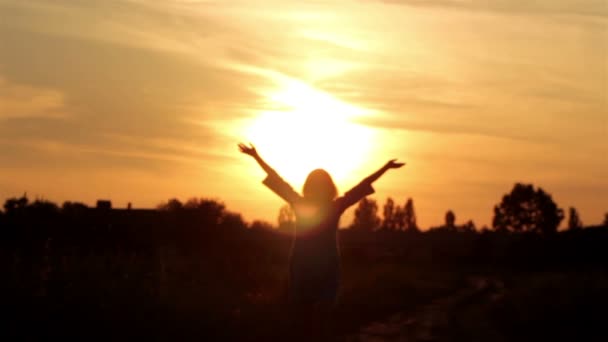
x,y
319,186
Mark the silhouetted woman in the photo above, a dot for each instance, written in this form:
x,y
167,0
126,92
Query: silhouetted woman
x,y
314,271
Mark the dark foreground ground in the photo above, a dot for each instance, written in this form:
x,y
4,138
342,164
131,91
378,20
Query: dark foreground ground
x,y
380,302
194,276
532,307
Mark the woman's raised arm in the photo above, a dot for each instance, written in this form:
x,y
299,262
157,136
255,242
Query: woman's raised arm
x,y
273,180
250,150
364,188
391,164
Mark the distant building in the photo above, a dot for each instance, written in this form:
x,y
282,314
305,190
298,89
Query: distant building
x,y
104,204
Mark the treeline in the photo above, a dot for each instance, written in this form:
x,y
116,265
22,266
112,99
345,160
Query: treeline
x,y
200,266
525,209
525,221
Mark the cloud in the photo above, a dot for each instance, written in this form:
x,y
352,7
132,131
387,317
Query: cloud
x,y
594,8
122,152
158,85
23,101
367,61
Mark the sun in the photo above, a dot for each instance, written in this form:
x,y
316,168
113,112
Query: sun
x,y
310,129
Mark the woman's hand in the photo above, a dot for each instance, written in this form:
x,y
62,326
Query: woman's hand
x,y
250,150
393,164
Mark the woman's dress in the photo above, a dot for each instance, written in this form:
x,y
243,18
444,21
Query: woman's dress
x,y
314,267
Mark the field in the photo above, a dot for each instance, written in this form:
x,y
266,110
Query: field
x,y
170,277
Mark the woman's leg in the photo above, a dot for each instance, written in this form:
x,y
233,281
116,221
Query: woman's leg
x,y
303,323
324,311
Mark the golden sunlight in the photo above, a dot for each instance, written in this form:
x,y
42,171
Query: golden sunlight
x,y
312,129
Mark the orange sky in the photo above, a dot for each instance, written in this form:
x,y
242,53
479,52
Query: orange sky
x,y
140,101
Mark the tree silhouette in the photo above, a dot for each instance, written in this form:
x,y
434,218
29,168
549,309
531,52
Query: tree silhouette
x,y
43,208
366,215
606,220
14,204
450,220
259,225
233,221
287,218
388,211
399,218
526,209
409,216
206,205
73,207
469,226
171,205
208,210
574,220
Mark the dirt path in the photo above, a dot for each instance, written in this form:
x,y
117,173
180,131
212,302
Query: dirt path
x,y
458,317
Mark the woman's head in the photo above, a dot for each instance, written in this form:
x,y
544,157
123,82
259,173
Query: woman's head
x,y
319,186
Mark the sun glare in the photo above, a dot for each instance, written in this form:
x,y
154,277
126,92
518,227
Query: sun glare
x,y
312,129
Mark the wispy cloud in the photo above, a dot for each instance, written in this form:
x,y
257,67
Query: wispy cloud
x,y
128,148
24,101
577,7
159,83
